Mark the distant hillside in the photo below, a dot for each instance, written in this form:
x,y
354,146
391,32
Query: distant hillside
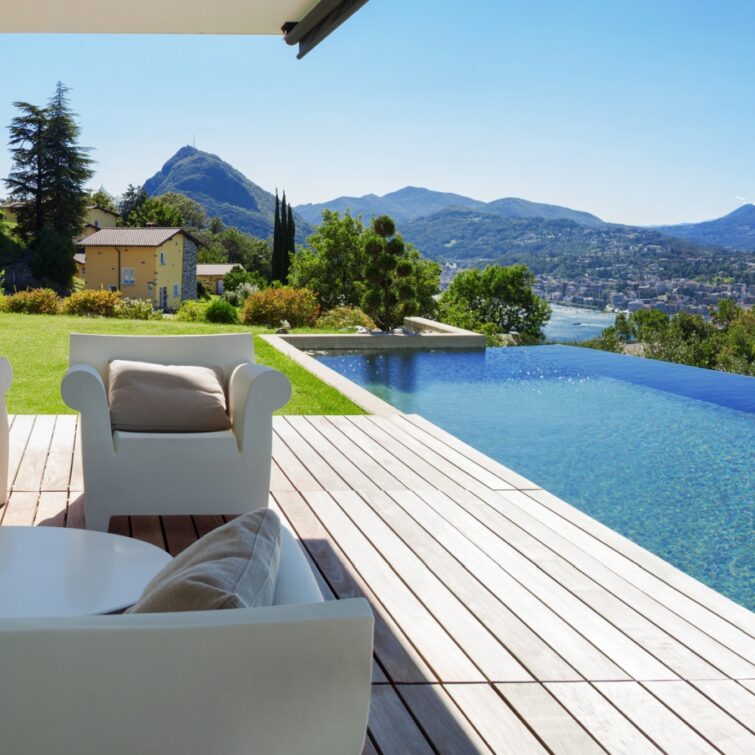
x,y
734,231
411,203
222,190
561,247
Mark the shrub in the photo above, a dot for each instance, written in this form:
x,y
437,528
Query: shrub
x,y
221,311
137,309
342,318
191,311
238,296
273,305
36,301
93,303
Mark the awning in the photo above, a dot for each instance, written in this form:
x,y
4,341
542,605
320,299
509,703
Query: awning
x,y
303,22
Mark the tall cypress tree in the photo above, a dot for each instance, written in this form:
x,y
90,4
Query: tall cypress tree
x,y
275,273
291,246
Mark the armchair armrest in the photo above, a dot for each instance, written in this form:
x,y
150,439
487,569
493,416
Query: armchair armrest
x,y
254,393
83,390
6,376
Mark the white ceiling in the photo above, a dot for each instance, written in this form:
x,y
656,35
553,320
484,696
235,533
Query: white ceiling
x,y
151,16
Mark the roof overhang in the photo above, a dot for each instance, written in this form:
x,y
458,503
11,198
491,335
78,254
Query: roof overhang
x,y
304,22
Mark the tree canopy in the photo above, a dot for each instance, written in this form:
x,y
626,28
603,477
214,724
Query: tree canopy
x,y
501,296
49,169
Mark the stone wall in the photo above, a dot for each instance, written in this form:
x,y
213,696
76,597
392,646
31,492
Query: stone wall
x,y
189,272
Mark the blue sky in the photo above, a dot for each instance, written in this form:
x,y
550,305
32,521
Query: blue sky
x,y
641,112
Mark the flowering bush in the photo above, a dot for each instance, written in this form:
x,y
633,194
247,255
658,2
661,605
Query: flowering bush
x,y
93,303
36,301
342,318
137,309
273,305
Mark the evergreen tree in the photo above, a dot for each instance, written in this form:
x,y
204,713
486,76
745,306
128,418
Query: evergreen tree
x,y
68,167
291,246
49,169
28,176
391,294
276,271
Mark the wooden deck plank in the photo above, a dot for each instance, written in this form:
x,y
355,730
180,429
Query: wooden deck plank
x,y
51,509
604,722
148,529
445,724
32,466
294,470
18,437
600,651
663,726
437,646
471,582
478,642
554,725
380,477
696,613
20,509
663,572
512,478
77,471
530,628
57,474
398,656
396,467
495,721
451,455
391,725
709,720
550,551
617,598
326,477
353,476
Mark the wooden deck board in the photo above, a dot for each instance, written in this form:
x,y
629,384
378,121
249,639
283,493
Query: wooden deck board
x,y
506,620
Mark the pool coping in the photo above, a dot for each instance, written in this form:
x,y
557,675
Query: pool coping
x,y
360,396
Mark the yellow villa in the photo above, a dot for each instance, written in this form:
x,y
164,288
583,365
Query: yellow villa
x,y
159,264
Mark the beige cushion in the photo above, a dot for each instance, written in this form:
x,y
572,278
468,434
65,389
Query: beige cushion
x,y
234,566
147,397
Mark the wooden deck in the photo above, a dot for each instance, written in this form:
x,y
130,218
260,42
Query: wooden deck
x,y
506,620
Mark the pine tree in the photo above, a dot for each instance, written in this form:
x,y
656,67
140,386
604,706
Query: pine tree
x,y
49,169
68,167
28,176
391,293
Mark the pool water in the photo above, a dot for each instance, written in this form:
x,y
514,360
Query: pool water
x,y
662,453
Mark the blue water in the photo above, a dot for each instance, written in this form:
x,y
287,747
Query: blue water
x,y
662,453
576,324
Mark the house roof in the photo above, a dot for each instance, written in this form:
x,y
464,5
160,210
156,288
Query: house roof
x,y
304,22
133,237
103,209
80,258
215,269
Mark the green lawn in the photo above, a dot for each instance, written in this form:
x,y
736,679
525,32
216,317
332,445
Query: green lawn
x,y
37,348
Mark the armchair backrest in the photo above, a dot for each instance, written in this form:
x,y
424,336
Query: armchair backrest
x,y
227,350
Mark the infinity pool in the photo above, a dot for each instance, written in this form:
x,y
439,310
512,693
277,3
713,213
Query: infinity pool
x,y
663,453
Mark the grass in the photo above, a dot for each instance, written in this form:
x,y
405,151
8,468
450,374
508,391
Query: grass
x,y
37,348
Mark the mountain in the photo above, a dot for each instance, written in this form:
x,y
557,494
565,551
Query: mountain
x,y
222,190
734,231
563,247
412,202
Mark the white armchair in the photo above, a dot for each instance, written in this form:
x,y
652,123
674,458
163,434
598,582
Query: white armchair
x,y
6,378
226,472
